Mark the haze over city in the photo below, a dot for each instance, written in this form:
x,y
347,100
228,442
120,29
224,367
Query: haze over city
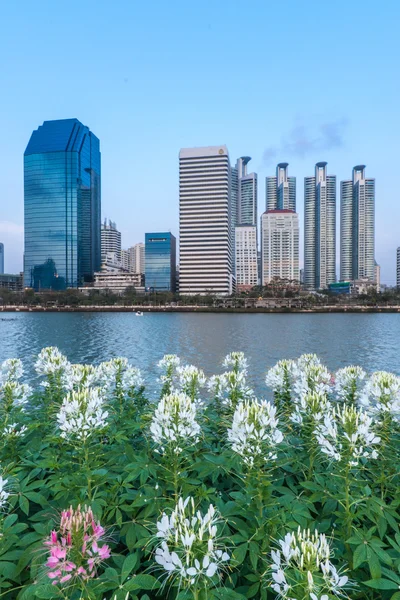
x,y
151,79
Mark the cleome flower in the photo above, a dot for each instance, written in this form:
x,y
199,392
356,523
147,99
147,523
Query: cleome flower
x,y
168,364
50,361
382,394
174,424
14,431
14,395
280,378
302,568
254,433
78,376
236,361
311,377
347,435
217,386
10,370
4,495
348,383
310,407
190,549
191,380
81,414
131,380
236,388
74,550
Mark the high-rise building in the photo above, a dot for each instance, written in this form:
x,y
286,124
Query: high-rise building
x,y
280,190
319,228
160,261
110,240
62,205
357,227
205,221
244,214
398,268
1,258
137,258
279,245
125,260
246,256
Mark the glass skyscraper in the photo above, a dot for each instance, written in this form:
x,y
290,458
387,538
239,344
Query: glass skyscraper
x,y
1,258
160,261
62,205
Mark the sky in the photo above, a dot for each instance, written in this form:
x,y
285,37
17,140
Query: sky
x,y
295,81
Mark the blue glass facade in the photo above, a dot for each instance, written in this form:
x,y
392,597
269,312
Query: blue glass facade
x,y
160,261
62,199
1,258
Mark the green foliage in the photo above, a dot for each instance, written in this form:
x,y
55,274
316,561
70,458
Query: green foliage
x,y
129,485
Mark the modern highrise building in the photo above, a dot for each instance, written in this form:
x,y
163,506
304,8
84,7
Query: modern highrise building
x,y
205,221
1,258
319,228
244,215
279,246
280,190
357,227
137,258
246,257
160,261
398,268
110,241
62,205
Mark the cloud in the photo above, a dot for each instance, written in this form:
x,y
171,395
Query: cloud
x,y
303,140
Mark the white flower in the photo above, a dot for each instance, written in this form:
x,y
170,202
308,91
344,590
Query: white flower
x,y
190,548
235,388
168,364
347,434
382,394
14,430
78,376
312,377
50,361
169,360
280,377
217,386
236,361
304,562
254,433
132,380
10,370
81,414
310,406
4,495
191,380
15,394
174,424
348,383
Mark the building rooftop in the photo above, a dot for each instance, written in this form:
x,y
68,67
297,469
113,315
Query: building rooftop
x,y
57,136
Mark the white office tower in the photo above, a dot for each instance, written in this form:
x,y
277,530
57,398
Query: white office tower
x,y
357,227
279,246
205,221
319,228
246,257
137,258
280,190
125,260
110,240
398,268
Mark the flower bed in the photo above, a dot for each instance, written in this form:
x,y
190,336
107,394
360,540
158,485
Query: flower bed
x,y
205,493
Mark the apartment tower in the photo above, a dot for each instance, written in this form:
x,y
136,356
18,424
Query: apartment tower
x,y
319,228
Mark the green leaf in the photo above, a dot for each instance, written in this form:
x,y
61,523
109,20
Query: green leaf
x,y
129,564
227,594
24,504
381,584
239,554
142,582
253,590
47,592
374,564
360,555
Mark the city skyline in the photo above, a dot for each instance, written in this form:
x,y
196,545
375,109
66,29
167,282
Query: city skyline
x,y
143,109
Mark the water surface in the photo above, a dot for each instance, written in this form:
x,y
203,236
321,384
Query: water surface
x,y
370,340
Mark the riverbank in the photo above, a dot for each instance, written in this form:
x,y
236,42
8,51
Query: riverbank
x,y
202,309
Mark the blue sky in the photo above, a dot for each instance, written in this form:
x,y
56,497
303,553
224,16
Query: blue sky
x,y
296,81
